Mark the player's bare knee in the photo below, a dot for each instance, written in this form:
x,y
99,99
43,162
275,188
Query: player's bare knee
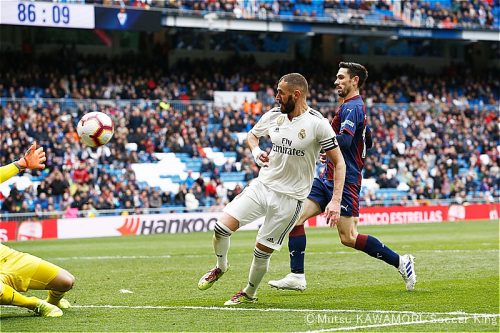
x,y
228,223
66,281
264,248
63,282
71,281
67,284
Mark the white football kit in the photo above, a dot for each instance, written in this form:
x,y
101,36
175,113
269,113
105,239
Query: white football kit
x,y
280,189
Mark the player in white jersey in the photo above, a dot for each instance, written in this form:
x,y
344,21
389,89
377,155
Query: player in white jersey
x,y
298,133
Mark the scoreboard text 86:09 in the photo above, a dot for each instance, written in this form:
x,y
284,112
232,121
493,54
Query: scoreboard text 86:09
x,y
46,14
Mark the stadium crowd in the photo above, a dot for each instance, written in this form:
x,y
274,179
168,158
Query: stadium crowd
x,y
66,74
462,14
442,144
430,14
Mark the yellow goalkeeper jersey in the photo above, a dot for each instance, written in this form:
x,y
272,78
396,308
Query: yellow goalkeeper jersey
x,y
8,171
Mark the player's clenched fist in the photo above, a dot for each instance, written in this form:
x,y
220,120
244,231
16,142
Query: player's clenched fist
x,y
261,158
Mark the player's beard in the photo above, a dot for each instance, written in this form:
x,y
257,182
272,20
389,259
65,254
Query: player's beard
x,y
343,92
289,106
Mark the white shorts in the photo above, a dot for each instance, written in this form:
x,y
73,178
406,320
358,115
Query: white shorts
x,y
281,212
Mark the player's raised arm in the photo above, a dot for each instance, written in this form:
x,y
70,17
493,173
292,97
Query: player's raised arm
x,y
332,210
34,158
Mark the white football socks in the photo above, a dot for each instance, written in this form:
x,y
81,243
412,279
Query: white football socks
x,y
260,265
221,242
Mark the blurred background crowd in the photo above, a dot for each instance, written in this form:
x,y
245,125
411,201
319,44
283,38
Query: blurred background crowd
x,y
429,14
67,74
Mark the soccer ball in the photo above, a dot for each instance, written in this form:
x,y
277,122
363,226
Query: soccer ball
x,y
95,129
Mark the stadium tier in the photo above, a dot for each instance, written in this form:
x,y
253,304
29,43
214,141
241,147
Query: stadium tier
x,y
482,14
71,75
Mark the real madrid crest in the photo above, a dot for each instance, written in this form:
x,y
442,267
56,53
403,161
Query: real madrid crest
x,y
302,134
280,120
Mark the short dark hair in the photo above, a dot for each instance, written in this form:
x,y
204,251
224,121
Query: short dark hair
x,y
296,81
355,69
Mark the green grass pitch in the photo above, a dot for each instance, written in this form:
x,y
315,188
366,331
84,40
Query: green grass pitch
x,y
149,283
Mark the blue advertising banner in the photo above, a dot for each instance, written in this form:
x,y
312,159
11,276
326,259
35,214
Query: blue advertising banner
x,y
297,27
430,33
127,19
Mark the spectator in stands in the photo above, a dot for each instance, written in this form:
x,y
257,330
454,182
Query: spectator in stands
x,y
102,204
78,201
42,201
127,196
165,198
42,188
368,198
81,174
211,189
66,201
127,207
8,205
386,182
89,210
207,165
229,166
199,193
180,197
17,198
189,181
155,200
191,203
58,186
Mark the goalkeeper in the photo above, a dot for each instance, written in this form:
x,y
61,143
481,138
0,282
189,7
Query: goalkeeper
x,y
20,271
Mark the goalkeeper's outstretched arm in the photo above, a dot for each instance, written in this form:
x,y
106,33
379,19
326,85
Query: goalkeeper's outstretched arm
x,y
34,158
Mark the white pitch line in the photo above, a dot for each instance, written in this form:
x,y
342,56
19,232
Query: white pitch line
x,y
209,254
126,291
111,257
217,308
349,328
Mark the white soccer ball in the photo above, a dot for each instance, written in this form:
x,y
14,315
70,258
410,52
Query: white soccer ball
x,y
95,129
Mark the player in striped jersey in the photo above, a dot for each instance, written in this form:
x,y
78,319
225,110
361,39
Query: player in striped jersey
x,y
22,271
349,123
298,133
